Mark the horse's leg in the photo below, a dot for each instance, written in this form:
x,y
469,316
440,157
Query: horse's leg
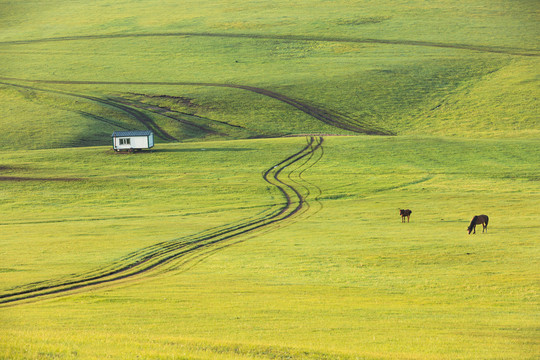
x,y
408,218
474,229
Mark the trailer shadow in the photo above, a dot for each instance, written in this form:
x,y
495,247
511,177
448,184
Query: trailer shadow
x,y
112,152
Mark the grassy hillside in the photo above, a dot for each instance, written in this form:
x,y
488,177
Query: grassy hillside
x,y
381,68
343,278
250,231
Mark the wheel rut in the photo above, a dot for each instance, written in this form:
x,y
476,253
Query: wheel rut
x,y
139,116
328,117
188,249
302,38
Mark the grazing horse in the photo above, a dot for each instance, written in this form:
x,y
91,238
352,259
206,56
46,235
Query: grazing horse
x,y
405,214
478,219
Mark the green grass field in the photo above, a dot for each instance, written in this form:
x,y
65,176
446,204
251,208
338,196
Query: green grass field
x,y
265,223
344,279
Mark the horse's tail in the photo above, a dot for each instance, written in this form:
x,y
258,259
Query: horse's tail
x,y
487,219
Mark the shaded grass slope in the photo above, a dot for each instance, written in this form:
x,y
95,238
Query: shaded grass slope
x,y
376,68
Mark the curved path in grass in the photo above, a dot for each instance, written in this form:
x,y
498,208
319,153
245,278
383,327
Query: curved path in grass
x,y
328,117
131,110
139,116
187,249
470,47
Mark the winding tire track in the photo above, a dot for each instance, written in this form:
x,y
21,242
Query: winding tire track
x,y
139,116
469,47
188,249
327,117
166,112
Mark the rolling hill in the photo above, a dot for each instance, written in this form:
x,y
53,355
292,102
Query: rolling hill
x,y
265,222
270,72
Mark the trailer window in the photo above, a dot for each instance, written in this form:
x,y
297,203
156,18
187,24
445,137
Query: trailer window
x,y
125,141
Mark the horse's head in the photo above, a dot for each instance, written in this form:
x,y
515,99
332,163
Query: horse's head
x,y
469,229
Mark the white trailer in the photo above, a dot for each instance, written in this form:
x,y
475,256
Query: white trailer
x,y
132,140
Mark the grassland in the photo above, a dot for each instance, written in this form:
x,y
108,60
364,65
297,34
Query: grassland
x,y
345,279
416,69
241,238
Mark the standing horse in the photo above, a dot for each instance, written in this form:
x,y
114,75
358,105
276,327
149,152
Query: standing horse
x,y
478,219
405,214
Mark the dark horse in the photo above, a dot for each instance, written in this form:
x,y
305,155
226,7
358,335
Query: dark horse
x,y
405,214
478,219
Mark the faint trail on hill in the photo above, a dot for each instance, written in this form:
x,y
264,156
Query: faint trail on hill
x,y
168,113
196,247
328,117
131,109
139,116
469,47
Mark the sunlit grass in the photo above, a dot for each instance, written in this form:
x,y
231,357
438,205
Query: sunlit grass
x,y
348,280
458,84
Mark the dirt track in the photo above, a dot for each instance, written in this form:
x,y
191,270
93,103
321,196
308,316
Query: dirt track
x,y
144,119
469,47
328,117
180,252
128,108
